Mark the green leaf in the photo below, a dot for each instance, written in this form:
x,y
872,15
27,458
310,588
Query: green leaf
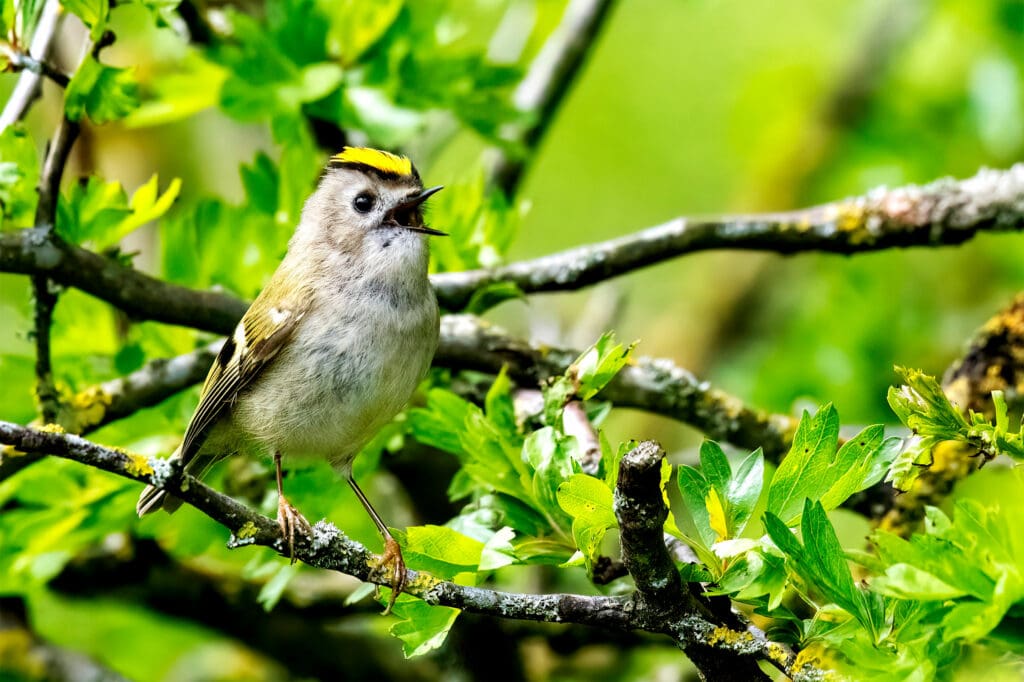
x,y
93,14
498,405
422,627
19,175
103,93
694,489
715,466
744,490
499,551
909,582
810,468
861,462
972,620
193,85
588,501
599,364
355,26
547,453
442,551
821,563
99,213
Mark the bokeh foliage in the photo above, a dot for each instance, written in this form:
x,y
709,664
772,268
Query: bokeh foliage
x,y
685,108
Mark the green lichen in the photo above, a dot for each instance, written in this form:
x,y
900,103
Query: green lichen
x,y
137,465
247,531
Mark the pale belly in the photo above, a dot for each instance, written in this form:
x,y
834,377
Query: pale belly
x,y
328,393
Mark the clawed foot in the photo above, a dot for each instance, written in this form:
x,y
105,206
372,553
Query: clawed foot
x,y
291,521
392,557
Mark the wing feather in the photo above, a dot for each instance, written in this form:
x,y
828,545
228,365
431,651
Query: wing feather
x,y
262,333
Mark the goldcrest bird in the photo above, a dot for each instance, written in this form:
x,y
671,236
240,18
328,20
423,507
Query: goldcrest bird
x,y
335,344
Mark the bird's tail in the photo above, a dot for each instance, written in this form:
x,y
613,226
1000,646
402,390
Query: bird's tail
x,y
153,498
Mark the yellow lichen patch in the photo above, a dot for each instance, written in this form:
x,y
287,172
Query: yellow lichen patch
x,y
52,428
421,583
849,217
728,636
88,408
248,530
778,653
137,465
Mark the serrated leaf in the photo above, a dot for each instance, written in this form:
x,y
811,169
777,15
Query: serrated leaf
x,y
103,93
442,551
93,14
422,627
909,582
19,175
498,405
809,467
599,364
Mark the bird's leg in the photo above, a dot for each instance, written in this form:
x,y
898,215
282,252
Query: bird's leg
x,y
288,517
392,555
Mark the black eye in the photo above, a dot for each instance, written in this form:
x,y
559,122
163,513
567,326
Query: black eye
x,y
363,203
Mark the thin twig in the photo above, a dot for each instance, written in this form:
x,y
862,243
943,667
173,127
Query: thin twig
x,y
944,212
27,89
548,81
21,61
328,548
467,342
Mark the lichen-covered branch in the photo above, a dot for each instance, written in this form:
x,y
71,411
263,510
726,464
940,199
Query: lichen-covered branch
x,y
469,343
329,548
994,361
941,213
32,251
641,512
944,212
654,385
547,82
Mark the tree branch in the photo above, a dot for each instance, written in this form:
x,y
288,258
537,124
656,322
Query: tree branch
x,y
31,251
944,212
654,385
328,548
548,81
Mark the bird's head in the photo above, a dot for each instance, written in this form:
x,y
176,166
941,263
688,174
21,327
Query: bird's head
x,y
370,201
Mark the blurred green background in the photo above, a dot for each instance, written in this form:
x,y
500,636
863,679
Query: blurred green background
x,y
693,107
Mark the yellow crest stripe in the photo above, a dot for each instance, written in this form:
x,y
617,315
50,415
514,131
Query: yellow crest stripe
x,y
385,162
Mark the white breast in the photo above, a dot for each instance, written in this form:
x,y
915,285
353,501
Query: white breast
x,y
345,374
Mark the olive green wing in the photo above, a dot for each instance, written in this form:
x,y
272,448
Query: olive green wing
x,y
264,330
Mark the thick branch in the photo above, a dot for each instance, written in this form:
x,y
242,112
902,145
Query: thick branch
x,y
328,548
141,296
944,212
654,385
549,80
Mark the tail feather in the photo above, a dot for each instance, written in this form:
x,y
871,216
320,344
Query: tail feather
x,y
153,499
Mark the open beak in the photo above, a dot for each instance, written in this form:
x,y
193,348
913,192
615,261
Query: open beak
x,y
414,202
